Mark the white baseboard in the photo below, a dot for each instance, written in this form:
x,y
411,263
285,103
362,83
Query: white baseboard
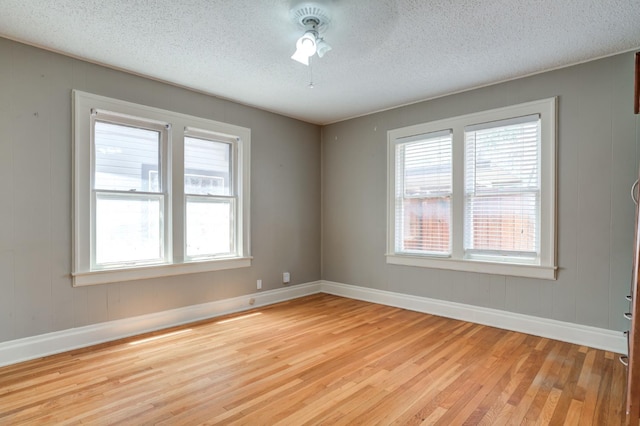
x,y
594,337
28,348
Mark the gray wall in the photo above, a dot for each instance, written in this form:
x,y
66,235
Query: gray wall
x,y
597,163
36,295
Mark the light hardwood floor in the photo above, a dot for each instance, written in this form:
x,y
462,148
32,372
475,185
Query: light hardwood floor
x,y
320,359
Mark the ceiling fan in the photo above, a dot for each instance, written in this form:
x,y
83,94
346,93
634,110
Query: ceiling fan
x,y
314,18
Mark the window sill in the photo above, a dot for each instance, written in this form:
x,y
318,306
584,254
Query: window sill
x,y
483,267
144,272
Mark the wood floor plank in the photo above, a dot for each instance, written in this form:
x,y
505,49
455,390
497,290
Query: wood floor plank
x,y
525,404
499,410
548,381
589,381
573,415
617,413
549,407
320,360
572,365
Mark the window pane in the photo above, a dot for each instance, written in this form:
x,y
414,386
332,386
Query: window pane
x,y
128,229
209,227
503,223
427,166
207,167
503,158
426,225
502,187
423,194
126,158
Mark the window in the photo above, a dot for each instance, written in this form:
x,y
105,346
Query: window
x,y
129,207
476,192
502,189
156,193
210,195
423,193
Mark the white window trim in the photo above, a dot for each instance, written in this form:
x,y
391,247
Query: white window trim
x,y
82,274
547,267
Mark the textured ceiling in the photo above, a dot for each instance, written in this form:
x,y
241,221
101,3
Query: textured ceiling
x,y
385,53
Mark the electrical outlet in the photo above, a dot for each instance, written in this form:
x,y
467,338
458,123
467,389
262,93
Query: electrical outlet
x,y
259,284
286,277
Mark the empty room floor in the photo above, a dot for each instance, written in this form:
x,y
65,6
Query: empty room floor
x,y
320,359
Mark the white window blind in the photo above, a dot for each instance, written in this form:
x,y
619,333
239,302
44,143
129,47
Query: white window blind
x,y
423,193
502,188
476,192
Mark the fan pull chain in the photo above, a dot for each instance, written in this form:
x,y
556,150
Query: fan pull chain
x,y
310,85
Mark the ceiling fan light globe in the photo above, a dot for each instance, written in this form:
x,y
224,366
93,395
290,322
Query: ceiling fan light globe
x,y
305,48
300,57
322,48
307,44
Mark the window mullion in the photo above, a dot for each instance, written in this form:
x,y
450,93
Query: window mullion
x,y
458,202
176,179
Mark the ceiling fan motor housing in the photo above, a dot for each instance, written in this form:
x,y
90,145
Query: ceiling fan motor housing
x,y
306,14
